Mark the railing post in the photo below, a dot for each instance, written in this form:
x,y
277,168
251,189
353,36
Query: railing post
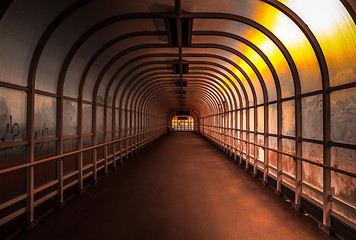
x,y
30,155
120,135
113,120
247,137
105,139
95,155
80,145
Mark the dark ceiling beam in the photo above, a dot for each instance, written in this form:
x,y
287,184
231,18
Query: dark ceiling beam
x,y
251,45
142,89
141,65
232,51
147,63
208,105
205,46
147,88
350,7
244,58
160,87
139,83
178,8
106,46
210,77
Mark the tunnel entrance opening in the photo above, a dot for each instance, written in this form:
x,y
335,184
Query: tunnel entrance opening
x,y
182,124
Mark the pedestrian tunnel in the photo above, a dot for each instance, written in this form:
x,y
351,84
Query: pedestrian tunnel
x,y
86,85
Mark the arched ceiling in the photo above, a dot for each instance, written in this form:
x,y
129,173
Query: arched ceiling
x,y
277,78
207,55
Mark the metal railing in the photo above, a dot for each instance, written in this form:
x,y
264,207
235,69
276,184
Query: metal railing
x,y
143,138
234,149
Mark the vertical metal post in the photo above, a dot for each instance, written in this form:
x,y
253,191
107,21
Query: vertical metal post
x,y
130,132
120,135
60,148
113,119
279,147
94,139
126,134
141,129
255,128
241,126
236,141
80,145
134,132
298,146
266,142
247,136
30,155
105,139
327,193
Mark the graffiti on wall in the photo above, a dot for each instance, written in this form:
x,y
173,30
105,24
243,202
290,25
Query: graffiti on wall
x,y
12,130
41,133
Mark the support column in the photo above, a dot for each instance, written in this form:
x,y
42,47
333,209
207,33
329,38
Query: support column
x,y
30,157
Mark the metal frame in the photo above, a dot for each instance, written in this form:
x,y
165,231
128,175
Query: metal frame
x,y
219,98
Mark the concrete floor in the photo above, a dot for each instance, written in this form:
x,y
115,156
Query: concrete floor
x,y
181,187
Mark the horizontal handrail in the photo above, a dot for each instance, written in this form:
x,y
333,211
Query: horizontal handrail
x,y
31,164
54,182
351,174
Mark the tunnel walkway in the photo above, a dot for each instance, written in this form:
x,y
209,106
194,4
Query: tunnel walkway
x,y
181,187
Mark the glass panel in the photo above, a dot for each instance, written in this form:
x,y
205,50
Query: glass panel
x,y
335,31
260,119
312,174
87,141
343,115
288,163
12,115
70,117
87,118
70,145
288,118
117,119
45,116
238,120
244,119
252,126
70,163
312,117
12,184
87,155
12,128
44,150
109,119
252,146
343,186
12,156
123,117
260,151
99,119
45,173
272,156
272,118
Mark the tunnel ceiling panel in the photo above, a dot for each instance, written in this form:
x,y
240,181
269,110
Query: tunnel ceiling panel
x,y
243,71
23,18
